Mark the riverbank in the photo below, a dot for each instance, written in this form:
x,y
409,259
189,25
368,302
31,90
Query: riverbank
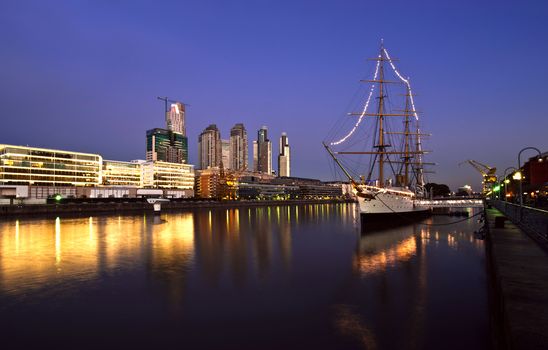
x,y
519,269
88,208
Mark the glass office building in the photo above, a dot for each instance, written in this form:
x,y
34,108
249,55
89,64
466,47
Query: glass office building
x,y
118,173
21,165
167,175
166,146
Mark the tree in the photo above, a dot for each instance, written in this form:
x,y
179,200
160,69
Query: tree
x,y
437,190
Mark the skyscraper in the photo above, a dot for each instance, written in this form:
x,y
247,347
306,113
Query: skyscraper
x,y
171,144
209,147
284,168
167,146
225,153
255,156
175,118
262,152
238,148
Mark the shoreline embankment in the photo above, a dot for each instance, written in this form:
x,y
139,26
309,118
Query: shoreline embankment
x,y
136,207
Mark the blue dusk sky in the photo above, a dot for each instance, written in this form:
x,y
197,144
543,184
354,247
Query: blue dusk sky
x,y
84,75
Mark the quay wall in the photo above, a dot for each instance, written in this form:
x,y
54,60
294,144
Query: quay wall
x,y
91,207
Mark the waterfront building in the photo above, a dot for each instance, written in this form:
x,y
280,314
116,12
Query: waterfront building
x,y
256,187
284,164
22,165
225,153
262,152
166,146
207,183
175,118
535,172
209,147
158,174
216,183
119,173
238,148
39,173
534,181
310,188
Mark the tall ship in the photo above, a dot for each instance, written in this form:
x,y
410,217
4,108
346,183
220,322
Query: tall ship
x,y
387,173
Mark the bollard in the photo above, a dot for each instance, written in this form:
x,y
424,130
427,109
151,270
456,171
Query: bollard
x,y
499,221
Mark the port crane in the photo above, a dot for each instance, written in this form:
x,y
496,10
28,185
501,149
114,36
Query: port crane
x,y
487,172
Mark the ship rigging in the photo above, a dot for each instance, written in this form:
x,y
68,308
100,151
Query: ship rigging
x,y
398,150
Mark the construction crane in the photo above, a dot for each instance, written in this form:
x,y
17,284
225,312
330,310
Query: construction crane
x,y
488,173
166,100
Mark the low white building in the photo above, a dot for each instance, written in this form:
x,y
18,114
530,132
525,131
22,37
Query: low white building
x,y
31,172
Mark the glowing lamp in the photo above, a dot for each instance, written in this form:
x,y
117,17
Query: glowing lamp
x,y
517,176
58,197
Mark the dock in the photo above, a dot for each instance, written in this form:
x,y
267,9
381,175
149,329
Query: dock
x,y
519,269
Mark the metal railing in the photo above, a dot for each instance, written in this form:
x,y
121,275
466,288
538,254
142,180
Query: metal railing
x,y
531,220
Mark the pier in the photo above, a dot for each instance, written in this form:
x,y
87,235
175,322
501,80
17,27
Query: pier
x,y
452,203
519,274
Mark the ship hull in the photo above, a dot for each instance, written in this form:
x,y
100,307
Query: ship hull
x,y
387,209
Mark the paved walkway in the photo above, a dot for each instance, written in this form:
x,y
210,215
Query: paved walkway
x,y
521,283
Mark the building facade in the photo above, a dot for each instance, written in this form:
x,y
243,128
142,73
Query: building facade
x,y
166,146
238,148
255,156
21,165
167,175
284,160
225,153
262,152
207,183
118,173
30,172
175,118
209,147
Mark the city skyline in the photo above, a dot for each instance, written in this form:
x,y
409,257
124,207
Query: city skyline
x,y
104,79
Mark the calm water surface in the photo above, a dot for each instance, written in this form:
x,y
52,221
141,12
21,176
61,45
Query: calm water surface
x,y
259,278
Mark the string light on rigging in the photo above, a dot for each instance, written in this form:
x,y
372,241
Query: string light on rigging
x,y
360,119
363,112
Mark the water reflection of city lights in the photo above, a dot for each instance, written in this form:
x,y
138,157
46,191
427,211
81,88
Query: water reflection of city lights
x,y
17,237
380,261
34,254
57,240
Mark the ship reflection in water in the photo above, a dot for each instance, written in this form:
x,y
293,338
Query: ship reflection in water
x,y
265,277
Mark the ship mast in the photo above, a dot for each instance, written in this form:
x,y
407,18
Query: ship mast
x,y
381,146
406,156
382,143
419,152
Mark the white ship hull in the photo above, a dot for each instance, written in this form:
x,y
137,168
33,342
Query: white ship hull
x,y
390,202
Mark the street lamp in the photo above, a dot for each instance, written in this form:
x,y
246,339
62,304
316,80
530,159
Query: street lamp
x,y
496,189
506,183
519,167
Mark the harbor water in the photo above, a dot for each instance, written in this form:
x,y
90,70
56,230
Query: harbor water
x,y
300,276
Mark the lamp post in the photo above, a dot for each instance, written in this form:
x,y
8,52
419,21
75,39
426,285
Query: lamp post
x,y
496,189
505,184
519,167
